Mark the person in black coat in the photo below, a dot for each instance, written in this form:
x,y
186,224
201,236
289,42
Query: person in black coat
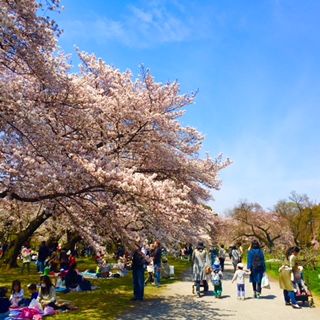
x,y
139,260
4,303
43,254
157,262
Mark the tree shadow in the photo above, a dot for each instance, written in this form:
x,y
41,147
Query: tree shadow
x,y
177,307
227,275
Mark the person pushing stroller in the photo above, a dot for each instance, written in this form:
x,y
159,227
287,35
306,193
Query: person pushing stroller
x,y
200,261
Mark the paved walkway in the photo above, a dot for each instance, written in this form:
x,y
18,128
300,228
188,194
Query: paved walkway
x,y
179,304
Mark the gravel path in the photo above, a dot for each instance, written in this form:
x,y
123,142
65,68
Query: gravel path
x,y
178,303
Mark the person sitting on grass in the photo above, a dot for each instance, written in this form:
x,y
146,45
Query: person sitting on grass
x,y
123,271
72,279
47,296
4,303
63,260
47,293
54,262
17,294
33,290
103,268
72,258
60,283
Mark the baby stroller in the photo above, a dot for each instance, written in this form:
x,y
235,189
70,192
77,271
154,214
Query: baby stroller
x,y
302,293
203,283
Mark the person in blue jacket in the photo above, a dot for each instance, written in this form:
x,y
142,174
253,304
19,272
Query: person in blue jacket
x,y
257,266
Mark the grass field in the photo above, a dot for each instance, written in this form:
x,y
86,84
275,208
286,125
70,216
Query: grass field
x,y
108,302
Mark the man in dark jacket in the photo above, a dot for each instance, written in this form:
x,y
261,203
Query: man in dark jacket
x,y
139,260
43,254
157,262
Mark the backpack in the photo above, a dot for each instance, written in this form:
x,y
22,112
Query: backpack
x,y
235,255
257,262
222,253
216,280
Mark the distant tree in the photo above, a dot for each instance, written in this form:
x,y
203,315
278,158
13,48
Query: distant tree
x,y
252,221
302,216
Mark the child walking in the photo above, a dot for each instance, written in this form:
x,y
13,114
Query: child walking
x,y
216,278
239,276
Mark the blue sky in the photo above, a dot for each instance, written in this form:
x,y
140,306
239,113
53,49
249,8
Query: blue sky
x,y
255,63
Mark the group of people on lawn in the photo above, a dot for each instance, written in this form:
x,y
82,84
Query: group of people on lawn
x,y
41,297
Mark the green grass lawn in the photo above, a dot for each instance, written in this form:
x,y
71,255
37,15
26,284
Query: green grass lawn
x,y
112,299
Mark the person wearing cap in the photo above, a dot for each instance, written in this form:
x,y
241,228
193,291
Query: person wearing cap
x,y
216,278
239,276
200,260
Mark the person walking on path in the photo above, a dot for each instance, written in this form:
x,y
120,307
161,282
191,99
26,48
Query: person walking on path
x,y
240,249
222,256
216,278
139,260
200,260
235,257
239,276
257,266
286,275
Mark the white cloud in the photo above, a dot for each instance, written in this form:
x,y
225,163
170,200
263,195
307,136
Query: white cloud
x,y
150,24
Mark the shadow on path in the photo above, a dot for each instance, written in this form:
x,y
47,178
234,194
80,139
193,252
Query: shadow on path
x,y
268,297
177,308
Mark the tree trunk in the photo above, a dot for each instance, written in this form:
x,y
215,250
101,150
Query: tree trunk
x,y
72,239
24,236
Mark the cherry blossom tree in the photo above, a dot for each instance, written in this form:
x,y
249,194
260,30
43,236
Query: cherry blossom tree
x,y
104,151
252,221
